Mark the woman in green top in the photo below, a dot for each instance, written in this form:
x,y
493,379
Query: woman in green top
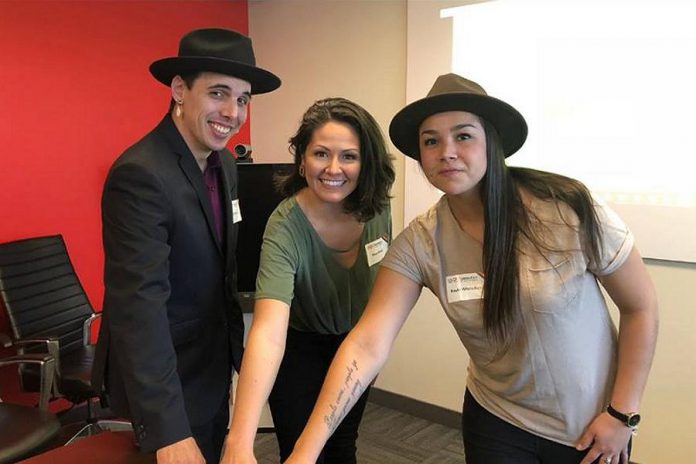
x,y
320,254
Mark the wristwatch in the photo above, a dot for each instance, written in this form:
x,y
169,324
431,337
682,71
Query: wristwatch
x,y
630,420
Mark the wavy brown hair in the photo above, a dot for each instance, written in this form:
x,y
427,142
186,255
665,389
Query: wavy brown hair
x,y
376,177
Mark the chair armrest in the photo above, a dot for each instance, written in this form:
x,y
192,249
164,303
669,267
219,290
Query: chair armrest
x,y
5,340
47,366
87,328
52,347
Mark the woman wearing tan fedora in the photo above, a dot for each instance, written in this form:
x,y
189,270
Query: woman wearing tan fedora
x,y
515,257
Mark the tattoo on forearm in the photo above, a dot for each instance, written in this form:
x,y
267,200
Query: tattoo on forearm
x,y
348,394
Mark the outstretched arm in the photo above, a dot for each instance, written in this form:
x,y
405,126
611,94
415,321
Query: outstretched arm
x,y
262,358
360,357
631,288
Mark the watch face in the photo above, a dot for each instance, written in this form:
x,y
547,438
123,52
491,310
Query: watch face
x,y
633,420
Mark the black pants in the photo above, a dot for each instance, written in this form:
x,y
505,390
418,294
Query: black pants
x,y
490,440
300,377
211,436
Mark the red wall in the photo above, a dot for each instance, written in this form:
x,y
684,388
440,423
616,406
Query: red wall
x,y
75,91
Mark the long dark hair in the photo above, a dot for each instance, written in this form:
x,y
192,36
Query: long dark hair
x,y
376,177
507,218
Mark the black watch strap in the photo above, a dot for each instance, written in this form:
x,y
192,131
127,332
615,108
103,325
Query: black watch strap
x,y
631,419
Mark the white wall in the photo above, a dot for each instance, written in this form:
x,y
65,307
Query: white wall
x,y
669,404
358,49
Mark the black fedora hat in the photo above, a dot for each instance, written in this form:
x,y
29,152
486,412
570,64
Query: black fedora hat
x,y
216,50
452,92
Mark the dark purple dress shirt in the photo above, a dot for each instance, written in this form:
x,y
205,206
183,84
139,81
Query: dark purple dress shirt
x,y
213,182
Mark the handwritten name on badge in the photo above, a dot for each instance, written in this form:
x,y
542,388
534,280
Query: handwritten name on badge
x,y
236,212
464,287
375,251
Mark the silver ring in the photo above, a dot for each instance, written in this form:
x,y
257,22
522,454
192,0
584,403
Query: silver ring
x,y
607,460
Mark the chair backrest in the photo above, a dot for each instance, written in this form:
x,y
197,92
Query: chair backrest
x,y
41,292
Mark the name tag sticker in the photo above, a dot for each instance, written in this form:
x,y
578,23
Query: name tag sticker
x,y
464,287
236,212
376,250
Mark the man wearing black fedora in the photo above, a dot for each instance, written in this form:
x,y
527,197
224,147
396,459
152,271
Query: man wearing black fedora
x,y
172,328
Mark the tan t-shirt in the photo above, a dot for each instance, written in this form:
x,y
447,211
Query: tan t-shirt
x,y
558,376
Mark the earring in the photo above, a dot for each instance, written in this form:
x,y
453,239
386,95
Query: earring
x,y
177,112
301,171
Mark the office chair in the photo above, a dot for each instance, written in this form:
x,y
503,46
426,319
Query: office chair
x,y
49,312
24,430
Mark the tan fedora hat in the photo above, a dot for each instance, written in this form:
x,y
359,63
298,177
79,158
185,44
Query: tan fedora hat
x,y
452,92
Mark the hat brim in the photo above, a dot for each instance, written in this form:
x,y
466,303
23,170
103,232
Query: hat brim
x,y
509,123
261,81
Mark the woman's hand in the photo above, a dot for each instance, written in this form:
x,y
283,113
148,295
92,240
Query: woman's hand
x,y
607,439
295,459
233,455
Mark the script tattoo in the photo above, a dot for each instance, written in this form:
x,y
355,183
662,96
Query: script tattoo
x,y
348,394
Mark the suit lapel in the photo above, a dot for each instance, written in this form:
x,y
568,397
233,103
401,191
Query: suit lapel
x,y
193,174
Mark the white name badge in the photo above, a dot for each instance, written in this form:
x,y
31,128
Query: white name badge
x,y
464,287
375,251
236,212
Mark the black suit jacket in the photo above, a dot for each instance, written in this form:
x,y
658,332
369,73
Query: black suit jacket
x,y
172,326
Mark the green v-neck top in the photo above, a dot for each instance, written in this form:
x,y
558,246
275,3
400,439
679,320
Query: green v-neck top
x,y
297,268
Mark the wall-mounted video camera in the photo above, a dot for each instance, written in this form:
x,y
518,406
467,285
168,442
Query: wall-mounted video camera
x,y
243,153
